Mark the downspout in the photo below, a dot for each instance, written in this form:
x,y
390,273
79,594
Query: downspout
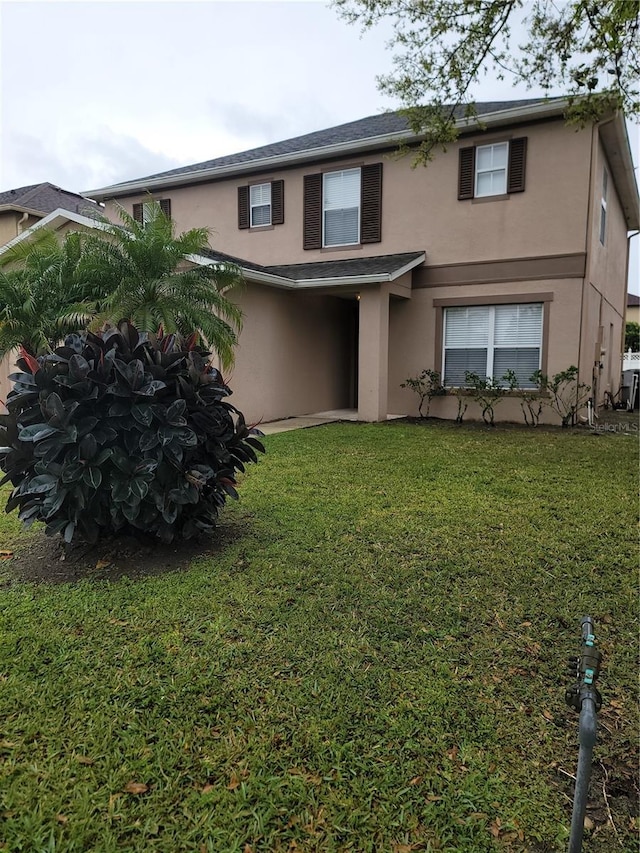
x,y
23,219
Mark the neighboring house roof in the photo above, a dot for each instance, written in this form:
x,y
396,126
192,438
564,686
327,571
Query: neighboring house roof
x,y
45,198
633,301
385,129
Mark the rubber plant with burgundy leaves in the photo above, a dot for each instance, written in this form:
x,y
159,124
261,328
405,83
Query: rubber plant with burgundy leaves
x,y
122,432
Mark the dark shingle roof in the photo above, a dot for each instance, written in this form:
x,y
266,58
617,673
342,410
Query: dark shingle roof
x,y
632,300
46,198
381,265
353,131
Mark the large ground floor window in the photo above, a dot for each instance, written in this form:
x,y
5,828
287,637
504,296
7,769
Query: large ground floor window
x,y
491,339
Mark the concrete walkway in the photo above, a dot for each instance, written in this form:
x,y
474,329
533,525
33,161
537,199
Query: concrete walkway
x,y
317,419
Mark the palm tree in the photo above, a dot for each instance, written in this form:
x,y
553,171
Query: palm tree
x,y
142,272
42,295
146,274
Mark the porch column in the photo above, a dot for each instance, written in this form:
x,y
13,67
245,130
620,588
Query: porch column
x,y
373,353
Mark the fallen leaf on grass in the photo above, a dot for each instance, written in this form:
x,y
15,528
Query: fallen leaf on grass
x,y
416,780
62,818
432,798
588,824
547,715
237,779
207,789
135,788
6,555
102,564
84,759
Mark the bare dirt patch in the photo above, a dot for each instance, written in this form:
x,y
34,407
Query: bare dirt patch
x,y
42,559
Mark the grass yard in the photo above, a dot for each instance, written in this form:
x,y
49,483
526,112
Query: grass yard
x,y
376,663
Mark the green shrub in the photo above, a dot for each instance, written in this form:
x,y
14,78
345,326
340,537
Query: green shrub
x,y
565,394
122,433
426,385
487,393
632,337
529,398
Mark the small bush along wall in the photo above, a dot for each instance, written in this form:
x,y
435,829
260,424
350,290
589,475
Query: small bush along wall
x,y
122,433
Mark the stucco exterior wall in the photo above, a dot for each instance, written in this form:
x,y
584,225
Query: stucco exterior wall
x,y
293,354
414,343
7,366
8,226
420,209
605,292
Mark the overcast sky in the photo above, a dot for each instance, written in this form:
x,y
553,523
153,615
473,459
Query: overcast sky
x,y
98,92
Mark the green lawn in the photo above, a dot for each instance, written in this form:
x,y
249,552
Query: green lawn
x,y
376,663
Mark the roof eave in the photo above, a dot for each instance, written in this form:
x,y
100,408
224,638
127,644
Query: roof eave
x,y
510,116
615,140
54,220
312,283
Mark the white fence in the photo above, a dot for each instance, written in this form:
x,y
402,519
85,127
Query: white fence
x,y
631,360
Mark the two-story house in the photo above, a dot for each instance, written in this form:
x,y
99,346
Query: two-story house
x,y
509,250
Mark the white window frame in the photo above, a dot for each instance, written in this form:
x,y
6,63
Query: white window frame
x,y
147,206
253,187
478,171
603,207
325,175
491,347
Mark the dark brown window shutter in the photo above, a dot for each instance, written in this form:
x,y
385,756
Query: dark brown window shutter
x,y
243,207
517,165
371,203
137,212
277,202
312,222
165,207
466,176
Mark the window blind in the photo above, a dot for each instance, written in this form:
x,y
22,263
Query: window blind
x,y
491,339
341,206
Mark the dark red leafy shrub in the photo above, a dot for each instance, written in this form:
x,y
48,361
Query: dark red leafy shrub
x,y
122,432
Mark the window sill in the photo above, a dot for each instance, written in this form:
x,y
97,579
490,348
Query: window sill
x,y
349,247
261,228
483,199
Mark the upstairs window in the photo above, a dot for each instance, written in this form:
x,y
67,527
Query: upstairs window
x,y
492,170
603,206
491,339
260,205
142,210
341,208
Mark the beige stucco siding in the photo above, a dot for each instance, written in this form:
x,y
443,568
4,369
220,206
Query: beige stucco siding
x,y
8,226
420,209
293,354
414,344
605,290
7,366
